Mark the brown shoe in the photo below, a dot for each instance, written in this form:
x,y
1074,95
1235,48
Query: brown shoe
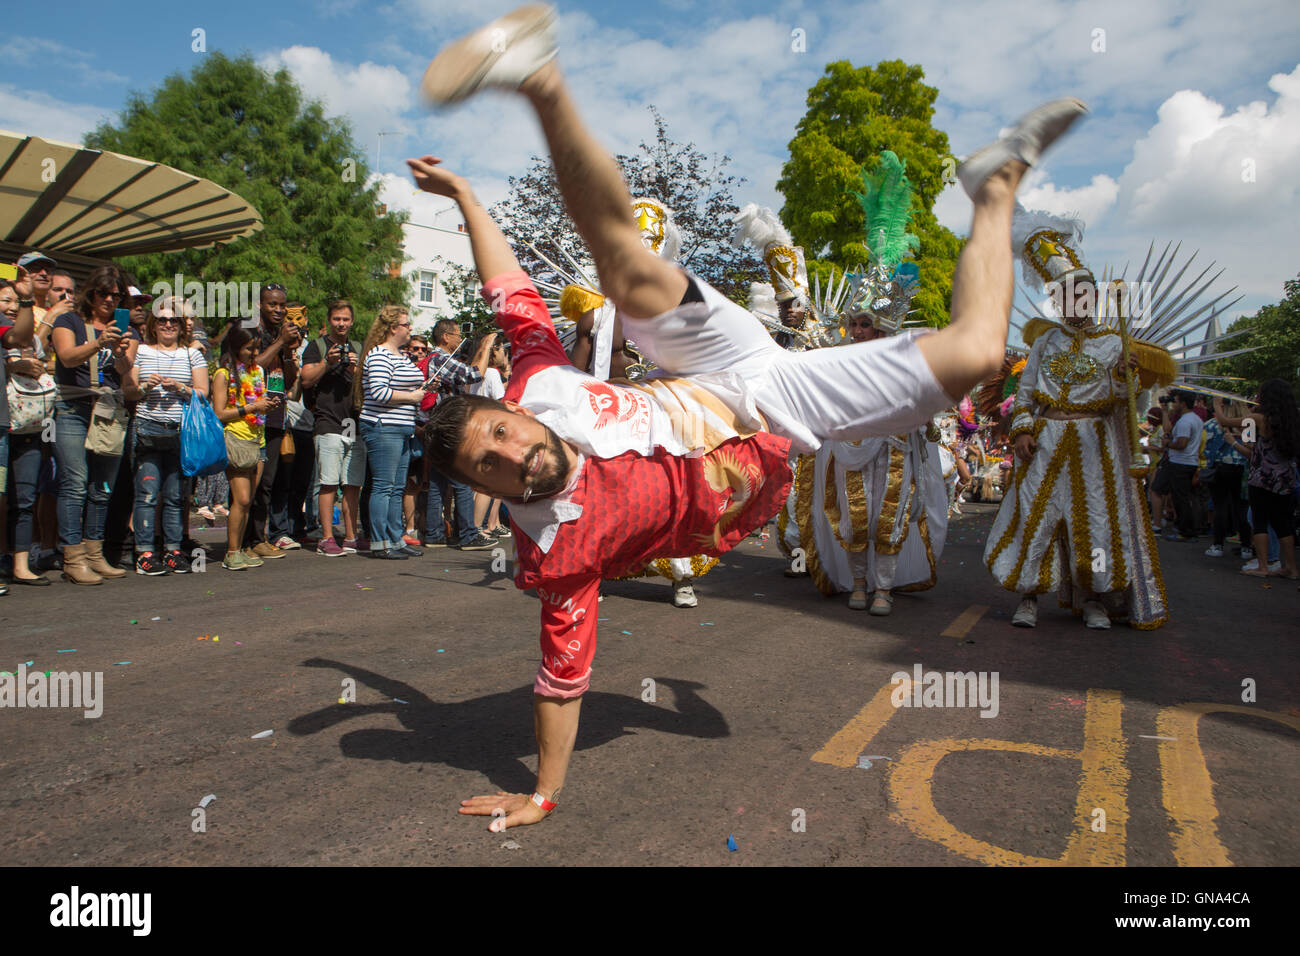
x,y
264,549
75,568
94,551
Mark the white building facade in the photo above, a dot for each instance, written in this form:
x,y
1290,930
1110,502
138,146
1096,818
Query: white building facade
x,y
428,248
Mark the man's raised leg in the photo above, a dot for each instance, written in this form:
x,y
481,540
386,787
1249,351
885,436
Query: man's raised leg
x,y
972,346
639,282
516,52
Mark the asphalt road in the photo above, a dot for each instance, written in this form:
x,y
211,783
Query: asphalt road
x,y
763,707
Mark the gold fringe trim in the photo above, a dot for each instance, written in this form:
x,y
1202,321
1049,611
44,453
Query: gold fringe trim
x,y
1155,364
1119,574
889,502
803,518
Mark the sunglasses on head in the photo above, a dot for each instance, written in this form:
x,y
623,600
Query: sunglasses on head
x,y
273,287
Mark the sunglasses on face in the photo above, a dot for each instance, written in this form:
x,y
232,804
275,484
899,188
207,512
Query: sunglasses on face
x,y
108,295
167,320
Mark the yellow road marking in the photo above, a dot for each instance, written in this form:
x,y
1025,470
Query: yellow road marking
x,y
1104,783
965,621
1188,795
843,749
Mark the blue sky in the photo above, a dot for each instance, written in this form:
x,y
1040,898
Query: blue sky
x,y
1183,94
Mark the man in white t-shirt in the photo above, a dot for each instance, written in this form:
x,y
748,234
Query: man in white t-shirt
x,y
1184,451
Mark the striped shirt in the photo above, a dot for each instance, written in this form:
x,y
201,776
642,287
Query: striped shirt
x,y
162,404
384,373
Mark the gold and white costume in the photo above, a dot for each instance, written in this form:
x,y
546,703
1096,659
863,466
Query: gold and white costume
x,y
1073,519
875,509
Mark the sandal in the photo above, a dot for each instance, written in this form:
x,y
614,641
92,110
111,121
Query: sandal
x,y
858,600
1257,574
881,604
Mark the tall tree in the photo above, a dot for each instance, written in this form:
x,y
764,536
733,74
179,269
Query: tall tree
x,y
255,134
853,115
1275,332
695,186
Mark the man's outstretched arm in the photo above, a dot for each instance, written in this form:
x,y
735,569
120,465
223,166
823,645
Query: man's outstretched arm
x,y
492,253
568,645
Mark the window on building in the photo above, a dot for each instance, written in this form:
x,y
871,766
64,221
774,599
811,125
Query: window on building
x,y
428,280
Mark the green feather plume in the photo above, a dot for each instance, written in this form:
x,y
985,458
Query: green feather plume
x,y
886,202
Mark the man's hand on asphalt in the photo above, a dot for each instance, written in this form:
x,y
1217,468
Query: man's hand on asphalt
x,y
519,810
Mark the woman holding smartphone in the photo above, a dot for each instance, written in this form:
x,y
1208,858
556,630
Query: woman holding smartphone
x,y
241,401
94,355
168,371
389,389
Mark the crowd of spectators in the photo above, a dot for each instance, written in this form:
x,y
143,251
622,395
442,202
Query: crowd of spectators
x,y
323,446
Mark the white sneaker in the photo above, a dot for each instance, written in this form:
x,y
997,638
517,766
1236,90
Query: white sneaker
x,y
1214,551
1247,553
1254,566
286,543
1027,613
1095,616
502,54
1034,132
684,595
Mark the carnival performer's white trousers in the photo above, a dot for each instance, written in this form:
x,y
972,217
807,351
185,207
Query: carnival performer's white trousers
x,y
1073,520
846,393
875,510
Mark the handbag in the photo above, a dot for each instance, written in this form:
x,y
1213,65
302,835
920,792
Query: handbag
x,y
31,402
242,454
106,434
203,444
287,448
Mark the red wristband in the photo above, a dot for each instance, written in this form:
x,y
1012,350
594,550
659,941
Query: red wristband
x,y
542,802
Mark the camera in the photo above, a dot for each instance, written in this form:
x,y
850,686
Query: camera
x,y
466,328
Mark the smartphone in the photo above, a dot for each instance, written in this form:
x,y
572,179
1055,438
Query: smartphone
x,y
466,328
122,319
8,271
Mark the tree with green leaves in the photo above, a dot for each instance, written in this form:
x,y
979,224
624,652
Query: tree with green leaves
x,y
855,113
1274,331
695,186
255,134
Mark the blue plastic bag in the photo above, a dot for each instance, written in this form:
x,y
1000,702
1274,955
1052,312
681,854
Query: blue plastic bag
x,y
203,440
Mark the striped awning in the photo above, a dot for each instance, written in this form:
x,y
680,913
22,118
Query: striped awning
x,y
57,197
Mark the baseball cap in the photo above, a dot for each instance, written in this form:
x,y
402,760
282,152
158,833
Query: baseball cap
x,y
27,259
137,295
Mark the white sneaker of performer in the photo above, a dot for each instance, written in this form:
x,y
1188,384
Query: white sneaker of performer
x,y
684,594
1095,616
1027,613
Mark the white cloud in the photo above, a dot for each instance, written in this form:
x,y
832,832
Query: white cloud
x,y
34,113
1088,203
372,97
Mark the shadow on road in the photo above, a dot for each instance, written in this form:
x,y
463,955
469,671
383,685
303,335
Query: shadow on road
x,y
491,734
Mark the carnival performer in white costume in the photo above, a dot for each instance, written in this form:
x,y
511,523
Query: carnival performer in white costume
x,y
874,511
1073,518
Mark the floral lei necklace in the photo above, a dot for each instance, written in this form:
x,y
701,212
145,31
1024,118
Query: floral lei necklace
x,y
252,388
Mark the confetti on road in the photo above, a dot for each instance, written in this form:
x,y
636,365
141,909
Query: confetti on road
x,y
1154,737
133,621
731,843
155,618
599,619
511,845
69,651
265,733
756,594
120,663
239,643
343,700
208,799
442,651
706,624
215,638
398,700
628,633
